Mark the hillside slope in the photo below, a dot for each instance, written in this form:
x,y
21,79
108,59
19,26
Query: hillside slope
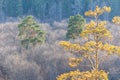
x,y
47,61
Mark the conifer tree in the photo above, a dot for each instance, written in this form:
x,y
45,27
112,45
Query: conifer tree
x,y
75,26
30,32
96,43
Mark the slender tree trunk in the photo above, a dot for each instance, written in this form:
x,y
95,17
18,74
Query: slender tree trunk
x,y
96,51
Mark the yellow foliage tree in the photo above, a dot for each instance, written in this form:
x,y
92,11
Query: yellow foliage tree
x,y
96,42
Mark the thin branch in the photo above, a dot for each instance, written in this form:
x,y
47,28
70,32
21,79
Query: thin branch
x,y
91,62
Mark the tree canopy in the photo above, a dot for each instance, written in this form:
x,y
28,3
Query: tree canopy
x,y
53,9
96,37
30,32
75,26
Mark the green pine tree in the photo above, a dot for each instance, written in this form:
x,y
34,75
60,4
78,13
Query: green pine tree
x,y
75,26
30,32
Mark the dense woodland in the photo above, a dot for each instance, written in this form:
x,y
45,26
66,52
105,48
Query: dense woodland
x,y
49,60
50,10
29,48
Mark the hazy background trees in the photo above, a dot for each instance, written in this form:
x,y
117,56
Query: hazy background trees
x,y
47,61
50,10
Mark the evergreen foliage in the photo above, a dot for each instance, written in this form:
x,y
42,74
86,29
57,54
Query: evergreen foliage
x,y
53,9
75,26
30,32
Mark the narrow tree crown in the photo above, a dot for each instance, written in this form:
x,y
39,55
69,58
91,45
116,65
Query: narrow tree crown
x,y
75,26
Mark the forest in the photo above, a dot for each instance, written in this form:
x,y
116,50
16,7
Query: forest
x,y
59,40
51,10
